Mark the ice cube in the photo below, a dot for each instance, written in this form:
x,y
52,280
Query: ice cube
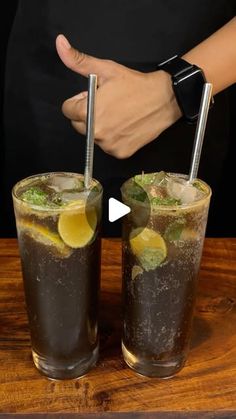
x,y
61,183
74,196
182,190
160,178
189,194
148,179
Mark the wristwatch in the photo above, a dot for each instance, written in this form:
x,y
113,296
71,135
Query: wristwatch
x,y
188,81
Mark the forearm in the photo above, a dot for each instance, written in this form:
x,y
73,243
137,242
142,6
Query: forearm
x,y
217,57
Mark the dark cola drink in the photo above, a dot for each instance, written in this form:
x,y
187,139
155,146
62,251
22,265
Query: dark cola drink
x,y
163,238
58,233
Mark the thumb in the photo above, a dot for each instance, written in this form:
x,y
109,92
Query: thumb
x,y
80,62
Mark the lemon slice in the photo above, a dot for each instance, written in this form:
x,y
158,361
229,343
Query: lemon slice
x,y
77,226
149,247
43,235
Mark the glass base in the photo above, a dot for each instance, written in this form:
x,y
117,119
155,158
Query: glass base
x,y
65,371
159,369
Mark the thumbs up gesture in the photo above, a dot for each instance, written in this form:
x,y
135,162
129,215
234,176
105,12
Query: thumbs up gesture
x,y
132,108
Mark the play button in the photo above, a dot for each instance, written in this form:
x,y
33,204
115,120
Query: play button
x,y
116,209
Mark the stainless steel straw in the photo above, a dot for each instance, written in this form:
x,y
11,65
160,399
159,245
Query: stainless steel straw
x,y
200,130
88,171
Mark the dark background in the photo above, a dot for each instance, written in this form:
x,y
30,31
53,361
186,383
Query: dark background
x,y
224,220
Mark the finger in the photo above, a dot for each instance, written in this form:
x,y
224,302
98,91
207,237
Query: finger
x,y
80,62
81,95
82,129
79,127
75,108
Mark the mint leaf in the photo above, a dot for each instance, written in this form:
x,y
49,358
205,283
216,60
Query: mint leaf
x,y
34,196
56,200
144,179
199,186
174,230
138,195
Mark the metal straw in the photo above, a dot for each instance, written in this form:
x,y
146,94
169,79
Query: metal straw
x,y
200,130
88,171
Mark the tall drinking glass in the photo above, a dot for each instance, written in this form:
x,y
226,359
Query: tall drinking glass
x,y
58,223
163,238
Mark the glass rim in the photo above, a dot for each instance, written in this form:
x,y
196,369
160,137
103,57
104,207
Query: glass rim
x,y
50,174
176,207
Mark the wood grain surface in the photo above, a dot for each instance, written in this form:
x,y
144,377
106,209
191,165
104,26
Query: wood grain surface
x,y
206,387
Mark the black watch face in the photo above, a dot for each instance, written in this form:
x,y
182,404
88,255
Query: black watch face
x,y
188,90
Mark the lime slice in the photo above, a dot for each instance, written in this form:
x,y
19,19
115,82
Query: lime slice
x,y
43,235
77,226
149,247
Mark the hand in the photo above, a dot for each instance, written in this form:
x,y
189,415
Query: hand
x,y
132,108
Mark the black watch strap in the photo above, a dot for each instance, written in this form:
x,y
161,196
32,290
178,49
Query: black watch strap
x,y
187,81
175,66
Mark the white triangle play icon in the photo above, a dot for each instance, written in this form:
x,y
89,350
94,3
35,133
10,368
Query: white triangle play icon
x,y
116,209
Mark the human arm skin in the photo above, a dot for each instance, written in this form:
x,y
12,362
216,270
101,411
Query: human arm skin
x,y
134,108
217,57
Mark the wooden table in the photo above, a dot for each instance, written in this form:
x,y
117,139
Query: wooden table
x,y
206,387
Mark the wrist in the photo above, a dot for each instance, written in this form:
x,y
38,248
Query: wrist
x,y
172,107
171,111
187,81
